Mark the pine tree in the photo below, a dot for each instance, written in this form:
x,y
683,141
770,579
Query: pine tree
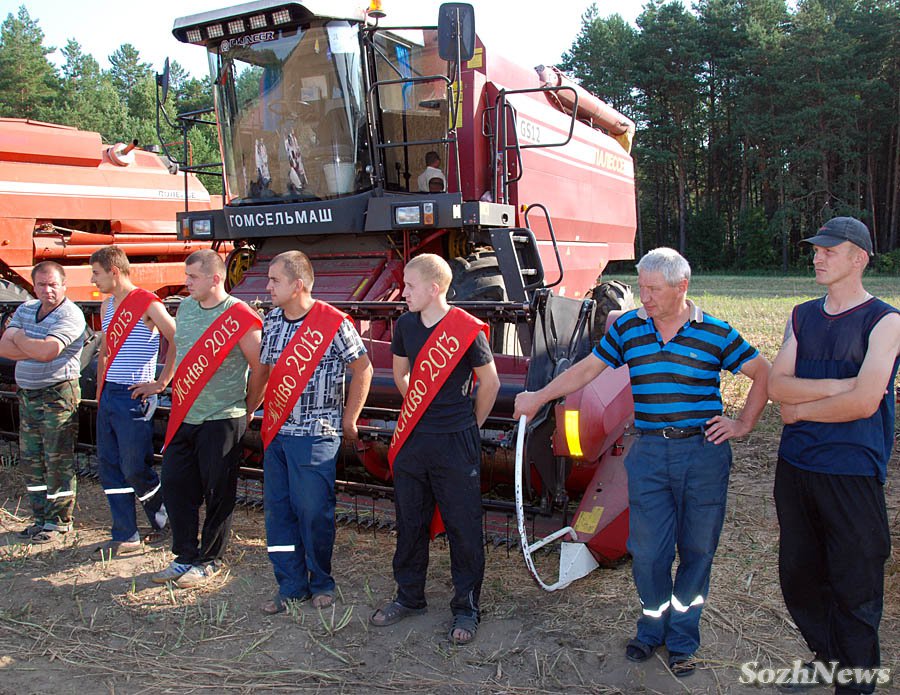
x,y
88,99
28,82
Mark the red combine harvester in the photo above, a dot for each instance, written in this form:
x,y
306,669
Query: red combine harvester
x,y
64,194
325,119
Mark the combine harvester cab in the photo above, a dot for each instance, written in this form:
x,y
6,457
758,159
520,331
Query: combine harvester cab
x,y
325,119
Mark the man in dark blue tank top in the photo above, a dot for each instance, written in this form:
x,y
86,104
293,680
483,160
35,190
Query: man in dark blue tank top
x,y
832,378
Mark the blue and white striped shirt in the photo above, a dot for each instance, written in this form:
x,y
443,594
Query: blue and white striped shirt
x,y
135,363
675,384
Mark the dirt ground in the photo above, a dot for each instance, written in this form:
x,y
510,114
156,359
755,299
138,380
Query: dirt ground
x,y
72,625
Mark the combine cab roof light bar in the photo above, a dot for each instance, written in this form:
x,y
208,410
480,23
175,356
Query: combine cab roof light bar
x,y
207,27
236,21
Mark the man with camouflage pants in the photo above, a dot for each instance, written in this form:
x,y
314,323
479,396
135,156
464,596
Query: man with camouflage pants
x,y
45,337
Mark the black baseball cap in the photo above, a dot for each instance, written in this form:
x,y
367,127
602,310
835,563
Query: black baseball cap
x,y
840,229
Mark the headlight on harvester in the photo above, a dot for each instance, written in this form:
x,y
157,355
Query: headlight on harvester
x,y
408,214
196,228
419,215
201,228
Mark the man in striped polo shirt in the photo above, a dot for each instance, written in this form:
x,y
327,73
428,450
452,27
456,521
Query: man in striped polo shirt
x,y
678,467
124,419
45,337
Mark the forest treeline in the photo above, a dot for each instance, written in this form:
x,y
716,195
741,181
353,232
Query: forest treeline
x,y
755,121
119,103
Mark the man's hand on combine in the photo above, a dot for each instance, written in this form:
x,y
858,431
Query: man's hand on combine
x,y
527,404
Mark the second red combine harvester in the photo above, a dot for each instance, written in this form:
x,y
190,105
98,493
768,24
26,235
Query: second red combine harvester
x,y
326,119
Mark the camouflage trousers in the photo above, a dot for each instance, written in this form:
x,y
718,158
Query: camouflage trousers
x,y
48,427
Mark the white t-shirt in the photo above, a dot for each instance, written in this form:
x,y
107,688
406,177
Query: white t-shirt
x,y
427,175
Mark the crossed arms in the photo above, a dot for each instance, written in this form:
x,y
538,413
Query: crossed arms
x,y
836,400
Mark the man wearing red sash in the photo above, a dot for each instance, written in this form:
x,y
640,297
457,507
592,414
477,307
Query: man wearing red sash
x,y
436,449
217,338
132,320
308,346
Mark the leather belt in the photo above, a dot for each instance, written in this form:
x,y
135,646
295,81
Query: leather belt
x,y
671,432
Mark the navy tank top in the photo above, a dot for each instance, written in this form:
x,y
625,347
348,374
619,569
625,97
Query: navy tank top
x,y
833,346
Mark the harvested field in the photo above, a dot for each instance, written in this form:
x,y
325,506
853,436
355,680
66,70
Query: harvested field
x,y
72,625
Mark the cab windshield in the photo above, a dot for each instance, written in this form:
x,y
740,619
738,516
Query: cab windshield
x,y
291,111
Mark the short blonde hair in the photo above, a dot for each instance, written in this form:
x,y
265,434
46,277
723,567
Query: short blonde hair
x,y
432,268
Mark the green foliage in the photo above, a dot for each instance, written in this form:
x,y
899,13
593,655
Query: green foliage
x,y
596,58
888,263
756,122
119,103
28,82
757,241
706,240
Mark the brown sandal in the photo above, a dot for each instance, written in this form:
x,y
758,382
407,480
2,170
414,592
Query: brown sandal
x,y
321,601
279,604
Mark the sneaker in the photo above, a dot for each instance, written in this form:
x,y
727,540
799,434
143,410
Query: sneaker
x,y
198,575
111,549
170,573
30,531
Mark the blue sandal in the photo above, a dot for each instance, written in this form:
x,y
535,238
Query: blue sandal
x,y
681,665
638,651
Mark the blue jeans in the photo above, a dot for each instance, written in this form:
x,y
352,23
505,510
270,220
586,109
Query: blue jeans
x,y
299,502
677,490
125,451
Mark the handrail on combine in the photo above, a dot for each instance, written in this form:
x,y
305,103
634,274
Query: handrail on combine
x,y
575,559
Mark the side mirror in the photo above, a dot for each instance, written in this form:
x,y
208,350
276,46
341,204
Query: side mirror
x,y
162,81
456,31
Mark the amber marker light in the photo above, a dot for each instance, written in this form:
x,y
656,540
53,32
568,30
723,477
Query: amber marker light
x,y
573,438
375,10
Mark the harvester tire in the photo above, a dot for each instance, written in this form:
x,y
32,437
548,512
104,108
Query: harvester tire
x,y
237,263
609,296
477,278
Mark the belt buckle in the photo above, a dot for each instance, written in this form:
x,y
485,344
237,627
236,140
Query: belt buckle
x,y
667,430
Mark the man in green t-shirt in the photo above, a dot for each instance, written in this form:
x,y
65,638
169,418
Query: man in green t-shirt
x,y
200,462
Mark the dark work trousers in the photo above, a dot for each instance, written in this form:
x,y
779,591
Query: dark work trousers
x,y
199,466
125,450
443,468
833,545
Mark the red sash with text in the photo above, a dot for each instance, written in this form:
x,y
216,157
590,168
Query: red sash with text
x,y
435,362
125,318
297,364
204,358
